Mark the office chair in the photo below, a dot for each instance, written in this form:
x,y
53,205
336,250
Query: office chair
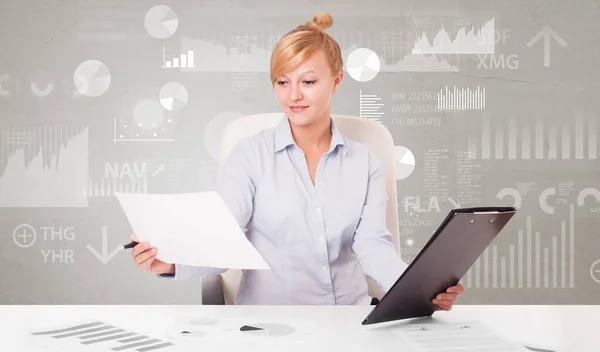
x,y
223,288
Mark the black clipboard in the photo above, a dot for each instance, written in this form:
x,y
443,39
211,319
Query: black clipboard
x,y
462,237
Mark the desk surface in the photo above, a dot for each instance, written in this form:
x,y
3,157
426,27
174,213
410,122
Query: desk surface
x,y
318,328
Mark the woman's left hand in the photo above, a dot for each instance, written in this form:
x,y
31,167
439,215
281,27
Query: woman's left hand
x,y
446,300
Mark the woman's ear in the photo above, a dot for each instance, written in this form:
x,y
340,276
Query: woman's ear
x,y
337,81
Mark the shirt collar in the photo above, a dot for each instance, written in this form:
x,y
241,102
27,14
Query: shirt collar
x,y
283,137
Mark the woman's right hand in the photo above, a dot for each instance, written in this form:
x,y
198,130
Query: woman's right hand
x,y
144,257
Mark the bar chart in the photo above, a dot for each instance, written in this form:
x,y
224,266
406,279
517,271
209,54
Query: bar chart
x,y
122,177
558,136
107,187
529,265
370,107
461,99
178,58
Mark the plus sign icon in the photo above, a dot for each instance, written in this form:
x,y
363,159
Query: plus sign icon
x,y
24,235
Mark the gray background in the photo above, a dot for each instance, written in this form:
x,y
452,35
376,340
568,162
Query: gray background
x,y
43,42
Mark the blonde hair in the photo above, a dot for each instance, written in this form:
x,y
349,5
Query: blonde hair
x,y
302,42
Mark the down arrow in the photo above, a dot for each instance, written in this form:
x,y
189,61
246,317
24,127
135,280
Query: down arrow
x,y
104,257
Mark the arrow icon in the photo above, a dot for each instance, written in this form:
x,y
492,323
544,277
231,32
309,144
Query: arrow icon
x,y
104,257
160,168
454,203
547,32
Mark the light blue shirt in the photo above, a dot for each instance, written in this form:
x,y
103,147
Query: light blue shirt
x,y
307,233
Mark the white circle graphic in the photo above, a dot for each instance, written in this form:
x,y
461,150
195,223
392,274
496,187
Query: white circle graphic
x,y
405,162
26,237
148,114
92,78
363,64
173,96
161,22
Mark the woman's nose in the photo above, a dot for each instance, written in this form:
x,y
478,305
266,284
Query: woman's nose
x,y
295,94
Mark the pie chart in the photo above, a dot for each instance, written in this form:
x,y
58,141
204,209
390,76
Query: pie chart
x,y
193,333
91,78
161,22
173,96
405,162
363,64
267,330
187,335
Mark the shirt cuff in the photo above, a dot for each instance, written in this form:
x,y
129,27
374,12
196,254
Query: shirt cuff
x,y
180,273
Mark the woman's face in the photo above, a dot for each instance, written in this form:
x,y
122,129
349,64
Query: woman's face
x,y
305,93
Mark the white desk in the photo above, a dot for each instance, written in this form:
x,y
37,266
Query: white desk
x,y
320,328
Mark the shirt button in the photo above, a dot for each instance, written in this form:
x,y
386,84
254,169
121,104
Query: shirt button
x,y
318,210
322,238
324,267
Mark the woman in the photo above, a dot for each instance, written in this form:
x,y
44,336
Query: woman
x,y
306,197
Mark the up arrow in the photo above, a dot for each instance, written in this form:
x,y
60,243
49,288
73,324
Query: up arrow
x,y
547,32
104,257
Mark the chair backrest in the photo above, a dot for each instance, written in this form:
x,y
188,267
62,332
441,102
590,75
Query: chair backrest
x,y
373,134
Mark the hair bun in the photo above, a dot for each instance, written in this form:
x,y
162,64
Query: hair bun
x,y
322,21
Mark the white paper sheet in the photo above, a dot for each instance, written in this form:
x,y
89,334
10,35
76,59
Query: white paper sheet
x,y
471,336
192,229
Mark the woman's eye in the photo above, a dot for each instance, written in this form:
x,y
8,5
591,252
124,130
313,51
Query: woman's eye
x,y
281,83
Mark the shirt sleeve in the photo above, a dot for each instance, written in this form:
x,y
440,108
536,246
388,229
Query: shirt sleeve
x,y
236,185
373,243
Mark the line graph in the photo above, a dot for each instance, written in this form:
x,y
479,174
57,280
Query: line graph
x,y
43,166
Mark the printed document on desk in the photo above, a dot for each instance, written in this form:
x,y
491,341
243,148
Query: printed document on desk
x,y
191,229
457,337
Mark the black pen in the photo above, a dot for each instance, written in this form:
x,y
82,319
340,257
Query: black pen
x,y
130,245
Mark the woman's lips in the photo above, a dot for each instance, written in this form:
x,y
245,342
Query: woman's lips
x,y
298,109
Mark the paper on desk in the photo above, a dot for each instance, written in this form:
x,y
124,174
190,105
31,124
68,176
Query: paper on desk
x,y
456,337
191,229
